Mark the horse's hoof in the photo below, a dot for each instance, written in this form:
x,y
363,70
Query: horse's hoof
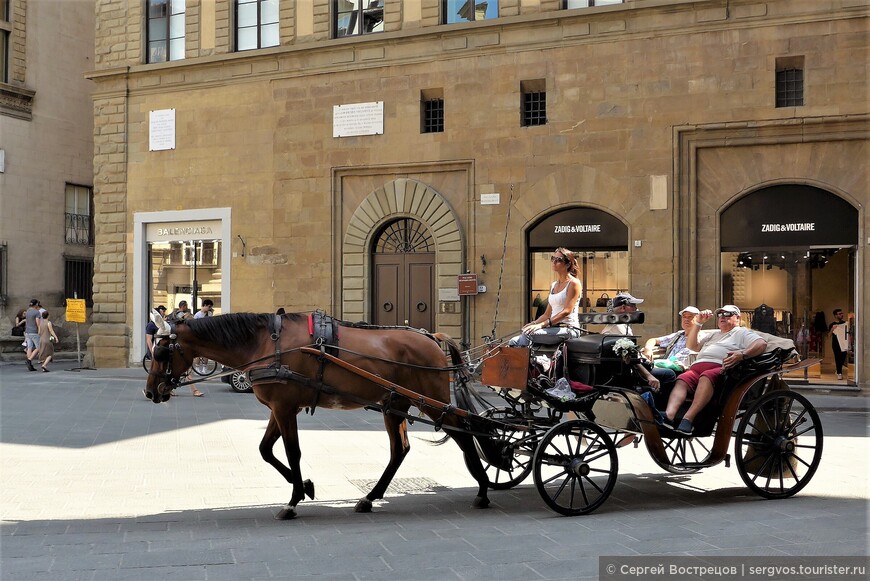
x,y
308,488
480,502
364,505
286,513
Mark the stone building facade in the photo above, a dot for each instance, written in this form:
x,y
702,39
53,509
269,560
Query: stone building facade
x,y
291,174
46,162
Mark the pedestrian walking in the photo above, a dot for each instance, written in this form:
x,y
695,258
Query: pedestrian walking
x,y
47,340
31,332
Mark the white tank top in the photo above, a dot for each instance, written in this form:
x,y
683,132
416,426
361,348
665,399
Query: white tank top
x,y
557,305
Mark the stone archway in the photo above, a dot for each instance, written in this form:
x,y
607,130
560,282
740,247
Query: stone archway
x,y
396,199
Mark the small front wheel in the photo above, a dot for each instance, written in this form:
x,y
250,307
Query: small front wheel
x,y
203,366
779,444
575,467
518,443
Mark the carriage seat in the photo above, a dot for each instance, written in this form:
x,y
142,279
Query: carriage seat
x,y
594,348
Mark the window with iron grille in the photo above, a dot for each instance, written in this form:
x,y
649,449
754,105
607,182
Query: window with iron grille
x,y
453,11
355,17
4,265
790,88
79,279
256,24
78,218
165,30
534,103
432,111
790,81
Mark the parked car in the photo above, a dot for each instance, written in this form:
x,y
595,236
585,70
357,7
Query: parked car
x,y
238,381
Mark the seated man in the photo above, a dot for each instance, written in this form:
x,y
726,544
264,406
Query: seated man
x,y
625,303
676,353
717,351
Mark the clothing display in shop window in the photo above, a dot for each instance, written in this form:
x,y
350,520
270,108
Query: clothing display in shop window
x,y
820,324
763,319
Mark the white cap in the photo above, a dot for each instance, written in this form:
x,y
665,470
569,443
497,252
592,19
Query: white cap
x,y
690,309
730,309
625,298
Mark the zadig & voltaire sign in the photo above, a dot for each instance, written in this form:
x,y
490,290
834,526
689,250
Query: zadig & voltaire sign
x,y
579,229
788,216
182,231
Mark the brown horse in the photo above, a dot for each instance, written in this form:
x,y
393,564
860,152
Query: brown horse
x,y
245,341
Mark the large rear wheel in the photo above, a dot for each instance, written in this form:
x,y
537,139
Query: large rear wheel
x,y
778,445
575,467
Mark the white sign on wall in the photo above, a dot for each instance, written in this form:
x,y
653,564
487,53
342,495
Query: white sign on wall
x,y
358,119
161,130
183,231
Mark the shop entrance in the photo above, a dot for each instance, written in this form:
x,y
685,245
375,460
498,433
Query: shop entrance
x,y
788,261
600,242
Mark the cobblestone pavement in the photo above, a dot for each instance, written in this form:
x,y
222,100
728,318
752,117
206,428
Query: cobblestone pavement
x,y
100,484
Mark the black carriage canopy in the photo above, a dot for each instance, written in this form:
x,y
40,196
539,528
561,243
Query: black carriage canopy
x,y
788,216
579,229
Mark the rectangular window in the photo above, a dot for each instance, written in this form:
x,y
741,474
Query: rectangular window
x,y
354,17
432,111
569,4
454,11
165,30
790,81
5,33
79,279
4,269
78,216
534,103
256,24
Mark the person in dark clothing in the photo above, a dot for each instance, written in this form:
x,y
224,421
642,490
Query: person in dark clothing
x,y
839,340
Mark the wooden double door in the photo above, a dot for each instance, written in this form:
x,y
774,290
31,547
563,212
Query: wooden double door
x,y
403,289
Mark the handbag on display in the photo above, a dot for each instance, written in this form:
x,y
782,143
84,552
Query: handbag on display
x,y
602,300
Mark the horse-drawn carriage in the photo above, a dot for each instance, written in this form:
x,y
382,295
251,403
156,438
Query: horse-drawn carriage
x,y
304,361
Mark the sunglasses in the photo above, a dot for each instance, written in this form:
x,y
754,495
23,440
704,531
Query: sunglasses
x,y
726,314
558,259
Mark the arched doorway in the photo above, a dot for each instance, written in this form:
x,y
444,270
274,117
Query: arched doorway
x,y
403,275
788,257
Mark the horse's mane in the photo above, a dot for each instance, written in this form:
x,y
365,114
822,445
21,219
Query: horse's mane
x,y
233,330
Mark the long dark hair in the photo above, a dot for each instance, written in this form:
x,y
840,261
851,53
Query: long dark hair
x,y
570,258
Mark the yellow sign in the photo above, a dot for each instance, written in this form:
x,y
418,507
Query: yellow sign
x,y
75,311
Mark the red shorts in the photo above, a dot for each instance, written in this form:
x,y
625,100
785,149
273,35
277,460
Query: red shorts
x,y
712,371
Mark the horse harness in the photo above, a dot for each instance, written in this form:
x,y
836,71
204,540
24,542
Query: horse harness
x,y
323,330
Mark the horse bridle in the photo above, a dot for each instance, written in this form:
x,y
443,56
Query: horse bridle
x,y
164,353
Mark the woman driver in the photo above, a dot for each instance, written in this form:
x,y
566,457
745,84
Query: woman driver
x,y
559,321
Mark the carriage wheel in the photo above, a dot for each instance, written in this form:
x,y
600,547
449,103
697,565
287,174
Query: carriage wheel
x,y
575,467
682,452
779,444
519,443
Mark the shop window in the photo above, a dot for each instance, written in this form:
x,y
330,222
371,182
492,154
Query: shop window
x,y
790,82
165,30
77,215
534,102
355,17
79,279
432,111
256,24
454,11
602,275
570,4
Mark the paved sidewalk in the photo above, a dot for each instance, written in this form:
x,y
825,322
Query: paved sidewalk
x,y
100,484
